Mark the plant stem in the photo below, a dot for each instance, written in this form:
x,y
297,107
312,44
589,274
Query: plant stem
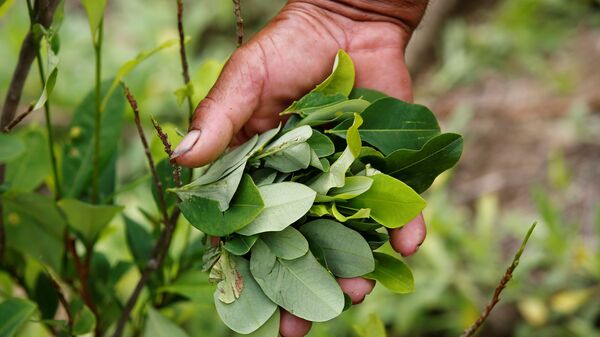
x,y
182,55
470,331
97,121
239,22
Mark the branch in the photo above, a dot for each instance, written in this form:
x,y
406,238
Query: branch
x,y
470,331
239,22
182,54
165,140
63,301
83,273
162,246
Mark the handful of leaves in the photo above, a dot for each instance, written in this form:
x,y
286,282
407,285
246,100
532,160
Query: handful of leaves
x,y
308,201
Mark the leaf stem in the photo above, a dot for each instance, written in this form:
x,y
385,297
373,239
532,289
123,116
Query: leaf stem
x,y
471,330
98,112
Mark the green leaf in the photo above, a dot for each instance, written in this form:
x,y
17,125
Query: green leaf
x,y
313,101
287,244
32,215
12,147
240,245
205,215
269,329
392,203
251,310
335,177
192,284
88,220
84,320
77,165
341,249
158,325
353,214
52,70
165,174
419,168
205,77
264,176
341,79
288,139
95,12
301,286
290,159
366,94
229,281
321,144
128,66
284,204
5,6
181,93
353,187
392,274
335,112
391,124
139,240
29,170
14,313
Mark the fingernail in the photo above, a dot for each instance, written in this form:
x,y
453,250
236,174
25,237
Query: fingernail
x,y
187,143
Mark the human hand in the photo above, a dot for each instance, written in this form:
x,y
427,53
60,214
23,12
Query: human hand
x,y
287,59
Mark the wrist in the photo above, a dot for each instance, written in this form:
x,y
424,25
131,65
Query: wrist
x,y
406,13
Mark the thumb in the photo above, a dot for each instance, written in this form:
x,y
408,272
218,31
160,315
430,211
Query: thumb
x,y
228,105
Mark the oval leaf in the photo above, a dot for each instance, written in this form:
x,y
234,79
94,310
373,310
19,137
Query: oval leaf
x,y
288,244
392,274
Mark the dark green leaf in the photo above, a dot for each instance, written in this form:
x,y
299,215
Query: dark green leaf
x,y
366,94
321,144
392,274
165,174
335,112
341,249
139,240
12,147
240,245
192,284
205,215
84,320
14,313
391,124
158,325
29,170
88,220
77,166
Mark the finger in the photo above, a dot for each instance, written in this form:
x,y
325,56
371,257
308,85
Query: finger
x,y
292,326
228,105
357,288
407,239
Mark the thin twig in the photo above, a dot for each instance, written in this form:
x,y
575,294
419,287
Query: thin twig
x,y
239,22
18,119
470,331
164,138
63,301
162,246
83,273
183,56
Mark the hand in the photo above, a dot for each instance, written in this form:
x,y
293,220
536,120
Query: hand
x,y
288,58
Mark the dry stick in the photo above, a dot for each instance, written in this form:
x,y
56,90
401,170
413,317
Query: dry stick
x,y
239,22
162,246
165,140
182,54
44,13
18,119
470,331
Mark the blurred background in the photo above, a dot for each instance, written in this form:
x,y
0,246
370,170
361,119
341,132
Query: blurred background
x,y
519,78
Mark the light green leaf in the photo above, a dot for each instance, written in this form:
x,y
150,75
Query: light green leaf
x,y
251,310
5,6
128,66
14,313
335,177
341,249
50,81
313,101
362,213
88,220
287,244
205,77
301,286
290,159
288,139
12,147
263,139
321,144
181,93
284,204
316,162
229,281
392,274
95,12
373,328
341,79
269,329
84,320
392,202
353,186
205,215
32,215
391,124
240,245
332,113
264,176
320,210
158,325
192,284
77,164
29,170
